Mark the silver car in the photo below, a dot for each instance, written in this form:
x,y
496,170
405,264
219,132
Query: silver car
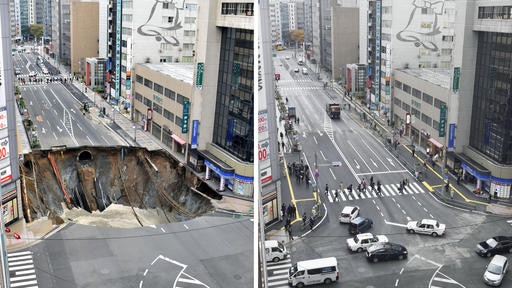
x,y
496,270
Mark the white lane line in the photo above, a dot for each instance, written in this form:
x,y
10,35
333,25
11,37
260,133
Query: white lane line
x,y
330,170
323,156
395,224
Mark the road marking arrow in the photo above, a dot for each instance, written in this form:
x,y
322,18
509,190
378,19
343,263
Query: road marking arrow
x,y
357,164
391,162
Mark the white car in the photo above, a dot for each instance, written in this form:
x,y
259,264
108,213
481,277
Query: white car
x,y
426,226
362,241
32,74
496,270
296,70
287,57
348,213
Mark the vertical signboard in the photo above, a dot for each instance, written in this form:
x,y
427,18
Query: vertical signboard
x,y
442,120
199,74
118,48
195,133
376,82
184,118
451,136
456,77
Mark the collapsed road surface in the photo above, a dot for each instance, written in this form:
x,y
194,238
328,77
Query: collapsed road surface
x,y
109,183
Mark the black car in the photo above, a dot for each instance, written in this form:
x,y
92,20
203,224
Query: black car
x,y
385,251
494,245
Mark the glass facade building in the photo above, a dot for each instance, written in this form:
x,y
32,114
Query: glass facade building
x,y
234,121
491,123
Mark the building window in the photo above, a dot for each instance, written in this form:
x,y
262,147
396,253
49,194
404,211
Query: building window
x,y
245,9
495,12
416,93
158,88
148,83
139,79
178,121
167,5
438,103
406,88
398,84
416,113
188,46
187,59
189,33
138,97
427,98
425,119
180,99
406,107
447,38
167,19
426,25
435,125
126,31
148,102
157,108
170,94
446,52
169,115
190,20
397,101
191,7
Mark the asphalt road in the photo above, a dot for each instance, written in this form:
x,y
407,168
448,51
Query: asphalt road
x,y
209,251
447,261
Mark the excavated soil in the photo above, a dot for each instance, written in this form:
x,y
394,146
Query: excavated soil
x,y
114,187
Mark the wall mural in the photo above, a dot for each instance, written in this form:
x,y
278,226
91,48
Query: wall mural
x,y
153,26
415,30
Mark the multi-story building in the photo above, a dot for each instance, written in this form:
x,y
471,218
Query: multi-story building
x,y
482,99
60,46
215,137
422,39
345,40
84,29
275,22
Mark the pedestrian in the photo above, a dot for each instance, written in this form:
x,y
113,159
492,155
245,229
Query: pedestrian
x,y
289,211
311,223
286,100
336,195
496,194
413,151
288,223
307,181
447,186
379,191
304,218
282,145
372,186
290,235
489,200
341,187
298,120
400,188
349,188
283,210
326,189
371,180
282,136
458,179
294,211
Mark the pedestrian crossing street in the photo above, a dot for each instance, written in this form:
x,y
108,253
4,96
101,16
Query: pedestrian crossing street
x,y
388,190
22,270
277,273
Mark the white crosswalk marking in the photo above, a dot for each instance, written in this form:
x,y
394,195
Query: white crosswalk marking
x,y
388,190
277,273
21,267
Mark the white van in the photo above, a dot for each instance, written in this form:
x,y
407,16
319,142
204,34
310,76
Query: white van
x,y
275,251
324,270
304,70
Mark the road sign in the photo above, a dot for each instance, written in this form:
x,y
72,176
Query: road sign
x,y
316,173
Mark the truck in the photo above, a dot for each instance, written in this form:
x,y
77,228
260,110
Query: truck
x,y
291,112
333,110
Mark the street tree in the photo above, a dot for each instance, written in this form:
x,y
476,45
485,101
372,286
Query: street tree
x,y
297,36
36,30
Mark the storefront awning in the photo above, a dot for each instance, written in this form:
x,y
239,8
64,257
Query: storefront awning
x,y
473,167
435,143
178,139
216,161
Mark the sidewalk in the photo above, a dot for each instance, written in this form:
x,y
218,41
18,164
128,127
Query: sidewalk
x,y
462,196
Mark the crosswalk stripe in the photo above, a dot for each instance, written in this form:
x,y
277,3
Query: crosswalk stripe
x,y
19,253
282,271
21,267
15,263
25,272
13,285
271,278
387,190
278,266
22,278
278,283
19,258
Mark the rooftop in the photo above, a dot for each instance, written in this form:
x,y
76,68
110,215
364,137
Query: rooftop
x,y
437,76
179,71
